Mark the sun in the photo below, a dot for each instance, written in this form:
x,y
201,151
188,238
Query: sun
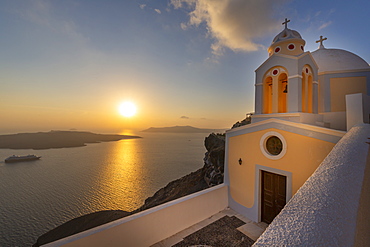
x,y
127,109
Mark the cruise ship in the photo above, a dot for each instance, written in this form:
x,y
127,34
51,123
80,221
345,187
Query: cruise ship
x,y
15,158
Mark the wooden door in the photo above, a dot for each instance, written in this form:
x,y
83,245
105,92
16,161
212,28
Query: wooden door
x,y
273,195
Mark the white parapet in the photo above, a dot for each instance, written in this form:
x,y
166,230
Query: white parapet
x,y
357,109
326,209
152,225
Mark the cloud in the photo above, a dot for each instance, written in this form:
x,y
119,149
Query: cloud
x,y
41,13
183,26
326,24
233,24
184,117
37,12
177,3
158,11
44,16
142,6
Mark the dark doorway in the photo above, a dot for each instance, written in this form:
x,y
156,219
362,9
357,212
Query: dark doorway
x,y
273,195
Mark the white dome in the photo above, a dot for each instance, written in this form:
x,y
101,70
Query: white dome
x,y
285,35
336,59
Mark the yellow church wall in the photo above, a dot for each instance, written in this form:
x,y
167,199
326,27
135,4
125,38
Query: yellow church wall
x,y
303,156
339,87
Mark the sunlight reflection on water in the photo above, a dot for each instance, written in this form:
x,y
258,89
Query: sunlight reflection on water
x,y
70,182
123,174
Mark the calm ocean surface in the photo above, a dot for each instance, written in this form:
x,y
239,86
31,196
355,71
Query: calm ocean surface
x,y
69,182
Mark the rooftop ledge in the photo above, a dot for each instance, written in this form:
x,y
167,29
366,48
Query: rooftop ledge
x,y
308,127
288,114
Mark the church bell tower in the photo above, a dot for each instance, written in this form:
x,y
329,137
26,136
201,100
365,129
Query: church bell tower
x,y
286,82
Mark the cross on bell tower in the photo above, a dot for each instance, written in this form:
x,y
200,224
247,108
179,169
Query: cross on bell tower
x,y
286,23
321,40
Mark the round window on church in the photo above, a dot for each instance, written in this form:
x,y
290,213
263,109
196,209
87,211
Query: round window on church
x,y
291,46
274,145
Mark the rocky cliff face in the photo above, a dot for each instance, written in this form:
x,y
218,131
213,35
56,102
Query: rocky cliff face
x,y
247,120
212,173
186,185
214,159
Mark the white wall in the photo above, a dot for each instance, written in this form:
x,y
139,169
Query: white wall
x,y
357,109
155,224
337,120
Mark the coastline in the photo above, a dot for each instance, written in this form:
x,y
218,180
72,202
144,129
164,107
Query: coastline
x,y
56,139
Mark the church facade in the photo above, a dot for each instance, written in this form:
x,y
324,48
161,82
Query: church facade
x,y
304,104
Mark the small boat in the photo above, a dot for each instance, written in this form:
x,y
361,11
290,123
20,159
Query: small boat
x,y
15,158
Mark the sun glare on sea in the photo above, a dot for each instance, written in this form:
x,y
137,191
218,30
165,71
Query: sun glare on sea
x,y
127,109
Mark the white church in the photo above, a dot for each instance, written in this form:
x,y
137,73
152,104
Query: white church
x,y
302,165
304,103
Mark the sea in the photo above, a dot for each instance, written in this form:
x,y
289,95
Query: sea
x,y
37,196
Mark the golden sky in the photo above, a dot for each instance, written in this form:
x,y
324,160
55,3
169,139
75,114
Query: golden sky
x,y
69,64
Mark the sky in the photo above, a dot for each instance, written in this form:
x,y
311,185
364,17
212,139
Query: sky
x,y
67,65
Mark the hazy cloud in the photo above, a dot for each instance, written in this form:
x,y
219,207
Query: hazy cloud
x,y
183,26
37,12
142,6
326,24
234,24
40,12
184,117
43,14
158,11
177,3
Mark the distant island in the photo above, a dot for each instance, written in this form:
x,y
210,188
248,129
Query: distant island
x,y
56,139
182,129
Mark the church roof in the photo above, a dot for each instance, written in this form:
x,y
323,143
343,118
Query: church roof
x,y
288,42
285,35
338,60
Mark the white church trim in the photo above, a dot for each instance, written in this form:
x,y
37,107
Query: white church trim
x,y
343,71
295,76
258,182
321,133
263,145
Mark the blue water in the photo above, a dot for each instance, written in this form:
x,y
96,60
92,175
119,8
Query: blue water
x,y
69,182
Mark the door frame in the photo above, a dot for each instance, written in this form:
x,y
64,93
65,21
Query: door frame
x,y
258,184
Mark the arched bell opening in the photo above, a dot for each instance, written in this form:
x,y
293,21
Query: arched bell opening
x,y
267,95
307,90
283,93
309,94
